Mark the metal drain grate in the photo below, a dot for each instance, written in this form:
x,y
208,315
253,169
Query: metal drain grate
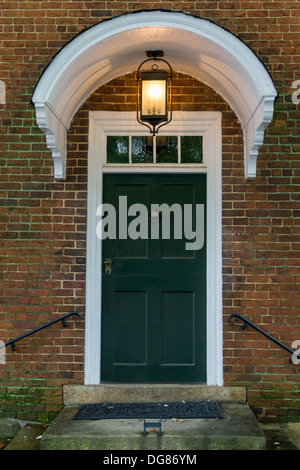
x,y
177,410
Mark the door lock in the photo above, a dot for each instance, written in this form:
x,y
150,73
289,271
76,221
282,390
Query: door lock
x,y
107,264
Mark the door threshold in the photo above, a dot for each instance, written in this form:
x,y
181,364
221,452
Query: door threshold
x,y
149,392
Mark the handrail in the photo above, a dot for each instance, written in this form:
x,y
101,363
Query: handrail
x,y
248,322
12,342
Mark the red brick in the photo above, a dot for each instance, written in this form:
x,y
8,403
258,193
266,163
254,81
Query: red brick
x,y
41,237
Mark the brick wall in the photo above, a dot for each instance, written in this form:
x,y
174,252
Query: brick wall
x,y
43,222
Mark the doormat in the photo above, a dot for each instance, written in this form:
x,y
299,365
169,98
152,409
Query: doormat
x,y
170,410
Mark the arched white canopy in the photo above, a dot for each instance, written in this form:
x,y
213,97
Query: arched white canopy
x,y
192,45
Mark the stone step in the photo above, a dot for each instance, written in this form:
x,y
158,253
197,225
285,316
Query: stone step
x,y
135,393
236,430
28,438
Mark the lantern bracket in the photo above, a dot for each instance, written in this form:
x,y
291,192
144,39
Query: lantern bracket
x,y
155,54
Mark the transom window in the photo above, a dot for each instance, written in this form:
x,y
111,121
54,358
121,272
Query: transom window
x,y
175,150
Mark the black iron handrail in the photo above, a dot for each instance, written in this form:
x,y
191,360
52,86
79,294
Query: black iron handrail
x,y
248,322
12,342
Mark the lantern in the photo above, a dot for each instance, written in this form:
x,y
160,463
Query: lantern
x,y
152,93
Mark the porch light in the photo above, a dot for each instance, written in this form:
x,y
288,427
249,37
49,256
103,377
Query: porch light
x,y
152,93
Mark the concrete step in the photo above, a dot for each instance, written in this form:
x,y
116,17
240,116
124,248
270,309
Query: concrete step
x,y
28,438
237,430
140,393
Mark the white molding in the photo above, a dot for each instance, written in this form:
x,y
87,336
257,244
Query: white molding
x,y
192,45
93,260
207,124
254,134
56,136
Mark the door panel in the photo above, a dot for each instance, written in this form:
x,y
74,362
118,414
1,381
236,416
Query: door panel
x,y
154,300
178,344
129,347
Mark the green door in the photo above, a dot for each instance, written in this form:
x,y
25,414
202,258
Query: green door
x,y
154,299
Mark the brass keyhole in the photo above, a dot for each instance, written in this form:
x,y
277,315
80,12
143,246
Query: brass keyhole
x,y
107,264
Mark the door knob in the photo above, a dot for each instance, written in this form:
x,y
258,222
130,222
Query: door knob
x,y
107,264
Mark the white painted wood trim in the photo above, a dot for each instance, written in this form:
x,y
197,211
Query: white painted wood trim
x,y
193,45
207,124
93,260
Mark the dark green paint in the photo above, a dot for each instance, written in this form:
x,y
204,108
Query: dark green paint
x,y
154,301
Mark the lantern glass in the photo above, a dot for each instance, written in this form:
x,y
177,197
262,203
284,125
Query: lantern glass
x,y
154,96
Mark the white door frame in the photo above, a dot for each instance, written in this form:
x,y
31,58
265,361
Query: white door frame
x,y
208,124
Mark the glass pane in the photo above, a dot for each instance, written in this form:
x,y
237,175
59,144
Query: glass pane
x,y
117,149
191,149
154,97
142,149
166,149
